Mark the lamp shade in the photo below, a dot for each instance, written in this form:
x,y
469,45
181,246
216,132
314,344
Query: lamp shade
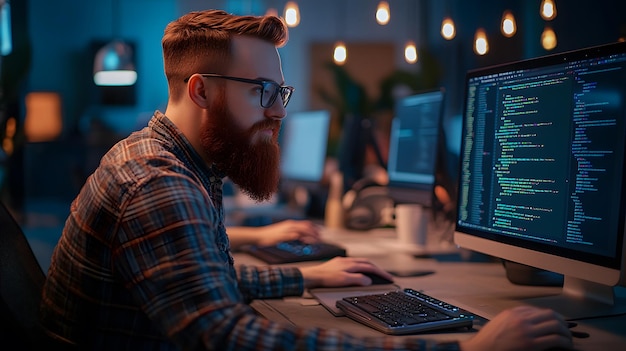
x,y
114,65
44,119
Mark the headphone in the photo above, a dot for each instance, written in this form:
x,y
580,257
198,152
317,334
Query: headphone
x,y
365,205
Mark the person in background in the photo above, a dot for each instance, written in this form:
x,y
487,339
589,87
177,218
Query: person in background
x,y
286,230
144,261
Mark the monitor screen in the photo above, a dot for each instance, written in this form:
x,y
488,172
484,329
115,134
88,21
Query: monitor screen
x,y
541,178
304,139
413,146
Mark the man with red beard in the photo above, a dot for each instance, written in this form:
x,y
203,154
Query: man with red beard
x,y
144,260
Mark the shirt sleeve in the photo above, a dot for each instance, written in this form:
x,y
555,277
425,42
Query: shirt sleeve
x,y
270,282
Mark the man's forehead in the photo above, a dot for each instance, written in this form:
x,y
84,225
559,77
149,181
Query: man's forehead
x,y
255,56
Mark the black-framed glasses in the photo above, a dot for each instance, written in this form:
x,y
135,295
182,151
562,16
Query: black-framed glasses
x,y
270,90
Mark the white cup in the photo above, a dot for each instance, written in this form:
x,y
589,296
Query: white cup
x,y
411,224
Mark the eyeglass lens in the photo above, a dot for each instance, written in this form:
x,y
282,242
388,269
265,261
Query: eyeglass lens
x,y
271,91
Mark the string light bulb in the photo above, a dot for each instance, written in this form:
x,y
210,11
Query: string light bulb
x,y
508,25
340,54
448,31
383,14
548,10
292,14
410,52
548,38
481,45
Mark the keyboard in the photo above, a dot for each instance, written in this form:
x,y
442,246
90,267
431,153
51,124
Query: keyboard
x,y
404,312
295,251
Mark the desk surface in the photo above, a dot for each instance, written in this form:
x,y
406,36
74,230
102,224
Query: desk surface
x,y
480,287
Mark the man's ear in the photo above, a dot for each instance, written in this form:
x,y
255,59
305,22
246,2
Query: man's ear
x,y
197,90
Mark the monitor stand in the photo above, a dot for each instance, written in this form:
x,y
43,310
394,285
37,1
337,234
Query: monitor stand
x,y
522,274
584,299
576,299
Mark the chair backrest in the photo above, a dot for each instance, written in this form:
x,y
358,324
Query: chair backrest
x,y
21,281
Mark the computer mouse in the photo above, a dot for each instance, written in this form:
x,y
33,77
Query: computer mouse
x,y
377,279
412,273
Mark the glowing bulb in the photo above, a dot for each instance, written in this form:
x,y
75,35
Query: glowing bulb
x,y
481,46
447,28
340,54
548,38
548,10
382,13
292,14
410,52
115,78
508,24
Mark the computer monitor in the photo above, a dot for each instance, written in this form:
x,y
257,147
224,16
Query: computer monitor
x,y
303,143
357,135
413,147
542,172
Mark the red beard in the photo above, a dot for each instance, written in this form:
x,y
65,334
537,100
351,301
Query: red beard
x,y
253,165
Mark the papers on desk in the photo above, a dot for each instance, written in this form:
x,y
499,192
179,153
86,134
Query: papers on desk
x,y
328,297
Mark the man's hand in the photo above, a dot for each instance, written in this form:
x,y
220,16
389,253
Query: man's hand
x,y
290,229
341,271
523,328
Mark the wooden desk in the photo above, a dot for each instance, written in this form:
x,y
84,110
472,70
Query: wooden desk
x,y
480,287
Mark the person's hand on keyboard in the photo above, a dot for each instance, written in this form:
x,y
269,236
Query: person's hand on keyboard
x,y
287,230
523,328
342,271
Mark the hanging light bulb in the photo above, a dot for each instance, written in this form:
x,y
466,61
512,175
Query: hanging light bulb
x,y
508,25
340,53
548,10
114,65
548,38
114,62
410,52
448,31
481,46
382,13
292,14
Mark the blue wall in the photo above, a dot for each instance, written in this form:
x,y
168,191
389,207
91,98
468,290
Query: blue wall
x,y
61,32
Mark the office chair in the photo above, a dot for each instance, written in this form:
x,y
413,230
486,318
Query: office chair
x,y
21,282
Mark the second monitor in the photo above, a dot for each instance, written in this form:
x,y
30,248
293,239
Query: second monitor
x,y
304,142
414,140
